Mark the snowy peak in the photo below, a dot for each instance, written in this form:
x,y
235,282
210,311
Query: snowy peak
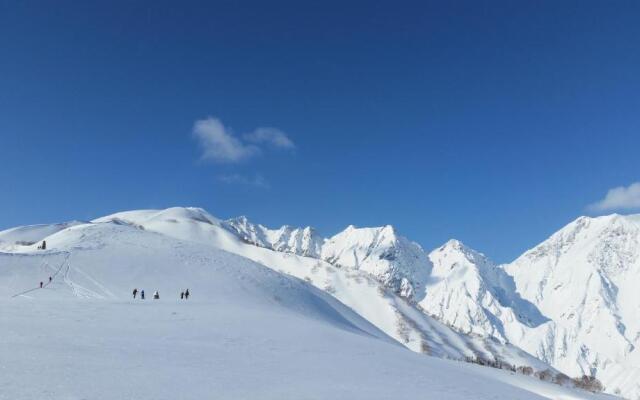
x,y
301,241
174,214
247,231
585,277
469,292
398,263
455,249
621,230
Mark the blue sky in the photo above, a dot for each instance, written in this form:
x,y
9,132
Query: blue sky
x,y
492,122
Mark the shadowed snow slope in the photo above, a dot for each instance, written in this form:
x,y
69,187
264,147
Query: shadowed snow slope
x,y
472,294
248,332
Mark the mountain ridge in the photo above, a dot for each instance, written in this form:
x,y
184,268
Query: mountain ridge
x,y
513,304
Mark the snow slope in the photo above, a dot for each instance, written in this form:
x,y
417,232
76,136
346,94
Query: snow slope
x,y
247,333
569,301
355,287
32,235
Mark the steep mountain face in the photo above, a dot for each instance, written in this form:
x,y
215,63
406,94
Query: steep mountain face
x,y
397,263
300,241
469,292
393,260
585,278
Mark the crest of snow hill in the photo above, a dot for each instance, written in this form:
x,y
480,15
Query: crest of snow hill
x,y
566,308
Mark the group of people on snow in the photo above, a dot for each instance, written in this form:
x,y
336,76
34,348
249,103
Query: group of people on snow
x,y
156,295
42,283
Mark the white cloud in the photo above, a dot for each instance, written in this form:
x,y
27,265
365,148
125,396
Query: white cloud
x,y
619,198
219,144
257,181
272,136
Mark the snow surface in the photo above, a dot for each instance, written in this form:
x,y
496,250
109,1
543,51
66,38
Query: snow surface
x,y
248,332
570,301
369,295
590,268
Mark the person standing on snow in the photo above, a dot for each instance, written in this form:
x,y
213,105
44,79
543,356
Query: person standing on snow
x,y
142,294
186,294
156,295
181,295
50,279
40,285
135,292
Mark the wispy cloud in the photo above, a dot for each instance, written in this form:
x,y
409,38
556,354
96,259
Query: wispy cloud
x,y
219,144
619,198
271,136
238,179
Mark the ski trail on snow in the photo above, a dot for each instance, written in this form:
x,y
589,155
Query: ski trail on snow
x,y
81,291
104,289
45,264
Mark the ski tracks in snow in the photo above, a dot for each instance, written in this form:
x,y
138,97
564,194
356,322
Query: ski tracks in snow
x,y
81,291
65,269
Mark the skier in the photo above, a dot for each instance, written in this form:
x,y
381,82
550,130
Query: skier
x,y
135,292
186,294
44,245
156,295
142,294
181,295
40,285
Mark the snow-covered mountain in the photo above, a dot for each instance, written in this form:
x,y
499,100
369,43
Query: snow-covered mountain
x,y
15,238
248,331
468,291
366,293
569,301
566,304
300,241
393,260
585,278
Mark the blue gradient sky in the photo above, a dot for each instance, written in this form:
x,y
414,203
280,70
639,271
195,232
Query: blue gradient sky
x,y
492,122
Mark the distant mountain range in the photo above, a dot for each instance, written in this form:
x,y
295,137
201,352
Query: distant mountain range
x,y
569,305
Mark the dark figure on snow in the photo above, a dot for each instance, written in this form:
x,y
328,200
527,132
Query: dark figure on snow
x,y
181,295
156,295
44,245
135,292
142,294
186,294
50,279
40,285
